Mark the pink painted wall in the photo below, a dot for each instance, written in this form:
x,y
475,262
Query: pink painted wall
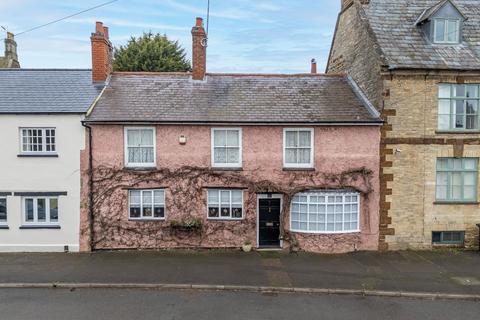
x,y
337,149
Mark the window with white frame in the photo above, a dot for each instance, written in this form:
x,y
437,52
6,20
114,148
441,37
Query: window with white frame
x,y
458,107
225,204
226,147
146,204
457,179
140,147
298,148
446,30
325,212
3,210
38,140
40,210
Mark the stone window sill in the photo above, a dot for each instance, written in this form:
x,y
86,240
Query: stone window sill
x,y
457,132
40,227
456,202
227,169
140,168
298,169
40,155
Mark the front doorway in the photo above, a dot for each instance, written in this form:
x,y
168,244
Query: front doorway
x,y
269,208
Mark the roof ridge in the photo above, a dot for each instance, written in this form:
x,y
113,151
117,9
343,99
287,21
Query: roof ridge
x,y
332,75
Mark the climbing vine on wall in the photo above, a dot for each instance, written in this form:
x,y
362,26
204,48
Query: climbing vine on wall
x,y
186,202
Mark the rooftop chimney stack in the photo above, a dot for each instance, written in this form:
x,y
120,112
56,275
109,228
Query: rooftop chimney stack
x,y
314,66
199,50
11,57
102,51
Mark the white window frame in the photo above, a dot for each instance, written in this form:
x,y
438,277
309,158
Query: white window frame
x,y
125,151
35,221
312,148
212,148
446,32
230,205
44,141
153,205
327,194
2,223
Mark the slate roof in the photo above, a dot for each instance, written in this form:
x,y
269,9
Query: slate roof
x,y
222,98
403,44
46,91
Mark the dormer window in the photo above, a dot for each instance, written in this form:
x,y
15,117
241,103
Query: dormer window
x,y
446,30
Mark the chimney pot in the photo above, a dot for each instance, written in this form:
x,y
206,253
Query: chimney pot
x,y
99,27
314,66
199,51
105,32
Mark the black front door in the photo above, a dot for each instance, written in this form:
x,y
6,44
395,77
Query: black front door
x,y
269,222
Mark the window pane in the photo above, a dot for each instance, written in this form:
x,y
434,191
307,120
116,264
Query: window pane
x,y
220,138
159,211
472,91
237,196
442,179
233,139
220,155
452,31
444,91
225,197
444,122
134,211
146,137
29,210
134,197
159,196
304,139
304,156
53,210
443,106
225,212
233,155
41,210
439,30
133,138
213,212
442,192
3,209
459,91
291,138
213,197
237,213
291,156
470,164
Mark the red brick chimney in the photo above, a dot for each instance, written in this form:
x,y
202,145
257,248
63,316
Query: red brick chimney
x,y
102,51
199,51
314,66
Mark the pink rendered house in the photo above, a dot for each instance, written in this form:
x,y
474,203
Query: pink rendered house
x,y
203,160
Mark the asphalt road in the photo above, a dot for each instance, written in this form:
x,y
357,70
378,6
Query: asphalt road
x,y
100,304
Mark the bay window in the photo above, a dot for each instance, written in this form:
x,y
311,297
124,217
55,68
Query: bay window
x,y
325,212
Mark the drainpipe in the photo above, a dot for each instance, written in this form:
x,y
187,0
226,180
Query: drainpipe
x,y
90,183
478,225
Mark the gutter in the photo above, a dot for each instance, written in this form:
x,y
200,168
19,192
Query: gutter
x,y
90,184
375,122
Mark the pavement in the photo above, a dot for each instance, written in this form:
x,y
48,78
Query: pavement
x,y
106,304
412,272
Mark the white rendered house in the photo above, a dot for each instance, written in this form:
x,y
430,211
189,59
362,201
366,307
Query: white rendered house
x,y
41,141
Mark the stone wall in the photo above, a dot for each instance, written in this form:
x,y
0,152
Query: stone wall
x,y
411,146
353,52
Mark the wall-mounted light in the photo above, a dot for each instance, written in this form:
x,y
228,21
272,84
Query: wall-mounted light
x,y
182,139
398,151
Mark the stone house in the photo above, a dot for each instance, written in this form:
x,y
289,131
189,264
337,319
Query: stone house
x,y
10,59
418,62
203,160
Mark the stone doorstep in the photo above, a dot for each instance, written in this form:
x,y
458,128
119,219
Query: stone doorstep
x,y
234,288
